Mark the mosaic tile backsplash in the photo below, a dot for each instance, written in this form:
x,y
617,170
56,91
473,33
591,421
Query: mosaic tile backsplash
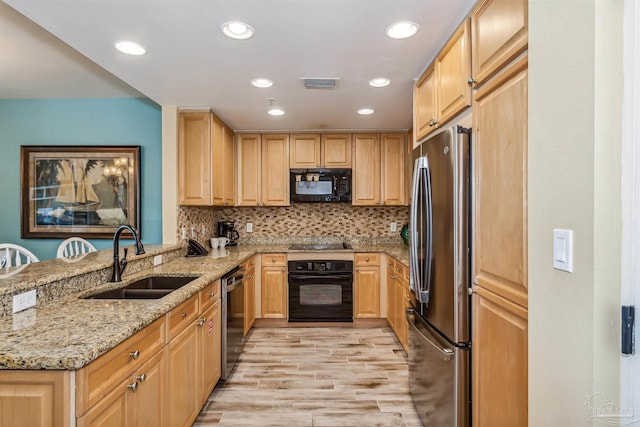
x,y
297,220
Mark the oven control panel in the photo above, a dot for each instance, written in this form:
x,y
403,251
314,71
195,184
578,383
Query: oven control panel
x,y
334,266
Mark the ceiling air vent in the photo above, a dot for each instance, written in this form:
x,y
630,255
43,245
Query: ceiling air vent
x,y
319,83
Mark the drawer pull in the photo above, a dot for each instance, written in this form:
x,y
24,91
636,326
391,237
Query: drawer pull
x,y
201,322
183,315
366,259
133,386
249,277
141,378
134,354
212,294
273,260
398,269
393,276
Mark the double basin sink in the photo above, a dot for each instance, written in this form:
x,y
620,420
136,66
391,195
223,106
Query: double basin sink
x,y
152,287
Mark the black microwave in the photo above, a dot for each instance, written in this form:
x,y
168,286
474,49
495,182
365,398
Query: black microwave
x,y
320,185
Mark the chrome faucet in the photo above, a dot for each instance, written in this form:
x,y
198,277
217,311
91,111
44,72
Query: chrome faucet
x,y
118,265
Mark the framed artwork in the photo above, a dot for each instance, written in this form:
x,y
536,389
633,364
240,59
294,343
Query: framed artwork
x,y
84,191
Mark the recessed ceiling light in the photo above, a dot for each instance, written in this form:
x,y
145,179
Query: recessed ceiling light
x,y
275,112
262,83
237,30
130,48
379,82
365,111
402,30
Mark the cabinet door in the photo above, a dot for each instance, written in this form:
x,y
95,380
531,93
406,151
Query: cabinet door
x,y
249,299
209,330
184,396
111,411
392,169
425,105
454,72
194,158
249,169
34,398
217,160
500,184
151,389
499,361
391,296
402,327
305,151
499,33
274,292
336,150
229,168
367,293
275,170
366,170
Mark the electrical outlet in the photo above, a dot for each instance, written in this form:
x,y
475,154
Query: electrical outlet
x,y
157,260
24,300
393,227
249,227
193,232
184,233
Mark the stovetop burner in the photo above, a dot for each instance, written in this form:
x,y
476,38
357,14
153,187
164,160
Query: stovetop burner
x,y
319,246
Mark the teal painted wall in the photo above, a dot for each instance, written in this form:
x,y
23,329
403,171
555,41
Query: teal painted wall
x,y
113,121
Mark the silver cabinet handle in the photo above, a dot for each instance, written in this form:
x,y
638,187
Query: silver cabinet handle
x,y
249,277
183,315
134,354
212,294
201,322
133,386
141,378
366,259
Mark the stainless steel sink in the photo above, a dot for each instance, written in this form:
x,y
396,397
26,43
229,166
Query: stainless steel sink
x,y
152,287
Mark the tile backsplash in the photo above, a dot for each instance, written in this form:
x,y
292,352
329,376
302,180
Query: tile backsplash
x,y
297,220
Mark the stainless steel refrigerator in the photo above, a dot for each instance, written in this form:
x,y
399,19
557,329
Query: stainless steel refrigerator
x,y
439,250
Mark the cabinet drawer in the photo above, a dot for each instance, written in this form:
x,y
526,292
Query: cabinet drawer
x,y
363,259
209,295
251,263
181,316
99,377
269,260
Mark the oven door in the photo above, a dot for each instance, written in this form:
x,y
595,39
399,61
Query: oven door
x,y
320,297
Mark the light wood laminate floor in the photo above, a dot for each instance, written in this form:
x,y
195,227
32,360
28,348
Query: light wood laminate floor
x,y
315,376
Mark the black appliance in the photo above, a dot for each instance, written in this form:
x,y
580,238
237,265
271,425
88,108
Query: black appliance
x,y
320,185
439,261
227,229
320,291
232,328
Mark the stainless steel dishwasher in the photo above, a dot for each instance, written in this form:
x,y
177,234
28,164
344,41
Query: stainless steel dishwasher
x,y
232,291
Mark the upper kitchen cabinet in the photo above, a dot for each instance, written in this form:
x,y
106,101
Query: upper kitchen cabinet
x,y
205,160
320,151
499,34
443,90
263,170
379,169
194,158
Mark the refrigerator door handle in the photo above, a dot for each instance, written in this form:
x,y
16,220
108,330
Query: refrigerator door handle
x,y
414,269
420,270
445,353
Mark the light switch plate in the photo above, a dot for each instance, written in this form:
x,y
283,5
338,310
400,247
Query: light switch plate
x,y
24,300
393,227
563,249
157,260
249,227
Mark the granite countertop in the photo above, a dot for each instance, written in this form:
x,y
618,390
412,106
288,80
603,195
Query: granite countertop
x,y
69,332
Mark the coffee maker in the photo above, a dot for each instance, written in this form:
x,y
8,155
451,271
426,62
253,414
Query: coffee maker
x,y
226,229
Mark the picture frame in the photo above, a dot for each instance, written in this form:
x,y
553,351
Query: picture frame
x,y
82,191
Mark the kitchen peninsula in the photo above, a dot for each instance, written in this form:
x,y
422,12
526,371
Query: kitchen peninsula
x,y
64,336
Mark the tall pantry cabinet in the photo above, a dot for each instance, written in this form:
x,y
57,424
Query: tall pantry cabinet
x,y
499,310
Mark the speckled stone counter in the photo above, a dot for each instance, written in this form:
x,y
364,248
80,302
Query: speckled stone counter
x,y
68,332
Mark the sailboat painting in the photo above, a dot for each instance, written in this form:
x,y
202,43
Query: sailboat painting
x,y
79,191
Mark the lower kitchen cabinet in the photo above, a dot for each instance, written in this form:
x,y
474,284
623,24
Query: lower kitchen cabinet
x,y
34,398
499,361
274,286
366,286
249,295
398,297
209,331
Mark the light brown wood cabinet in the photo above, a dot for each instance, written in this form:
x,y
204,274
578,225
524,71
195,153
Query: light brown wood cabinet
x,y
249,294
34,398
499,31
500,301
379,170
263,170
274,286
320,151
206,166
398,295
444,89
500,357
366,286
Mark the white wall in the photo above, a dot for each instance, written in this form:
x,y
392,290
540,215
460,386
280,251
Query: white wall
x,y
575,95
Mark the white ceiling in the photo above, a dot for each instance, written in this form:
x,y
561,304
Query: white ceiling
x,y
189,63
